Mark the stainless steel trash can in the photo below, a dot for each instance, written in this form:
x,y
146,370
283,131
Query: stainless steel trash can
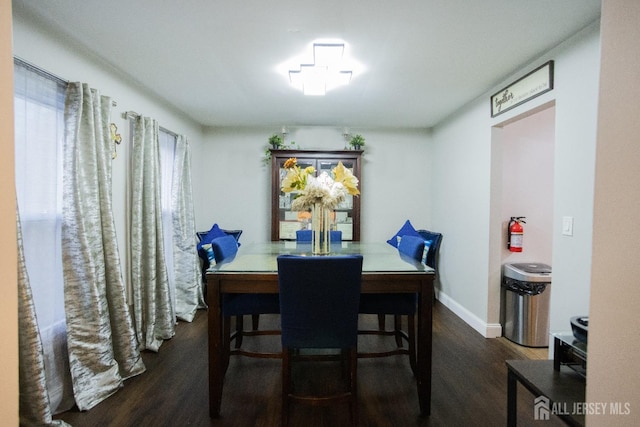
x,y
526,303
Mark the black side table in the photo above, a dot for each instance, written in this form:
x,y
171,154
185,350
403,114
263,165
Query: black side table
x,y
559,389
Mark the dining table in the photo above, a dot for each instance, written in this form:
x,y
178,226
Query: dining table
x,y
254,269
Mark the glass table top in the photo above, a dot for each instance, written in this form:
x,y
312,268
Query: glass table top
x,y
568,339
377,257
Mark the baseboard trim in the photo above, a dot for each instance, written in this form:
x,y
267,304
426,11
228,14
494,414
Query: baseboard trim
x,y
487,330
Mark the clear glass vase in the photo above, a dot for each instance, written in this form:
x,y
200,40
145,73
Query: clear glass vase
x,y
320,226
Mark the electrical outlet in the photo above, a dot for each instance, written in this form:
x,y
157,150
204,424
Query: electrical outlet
x,y
567,226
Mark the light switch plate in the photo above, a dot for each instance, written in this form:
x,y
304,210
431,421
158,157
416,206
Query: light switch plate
x,y
567,226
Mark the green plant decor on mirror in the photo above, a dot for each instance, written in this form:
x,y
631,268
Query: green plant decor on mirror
x,y
356,142
276,142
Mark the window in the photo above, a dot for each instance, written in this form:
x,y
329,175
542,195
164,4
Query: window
x,y
167,142
39,134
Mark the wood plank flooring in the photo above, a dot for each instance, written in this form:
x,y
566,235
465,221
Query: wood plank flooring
x,y
469,384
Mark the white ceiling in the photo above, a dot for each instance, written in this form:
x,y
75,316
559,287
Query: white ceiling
x,y
217,61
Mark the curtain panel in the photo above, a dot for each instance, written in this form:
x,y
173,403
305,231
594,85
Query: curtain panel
x,y
102,345
39,135
153,310
188,279
35,407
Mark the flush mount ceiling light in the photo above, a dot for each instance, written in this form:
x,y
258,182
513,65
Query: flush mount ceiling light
x,y
327,71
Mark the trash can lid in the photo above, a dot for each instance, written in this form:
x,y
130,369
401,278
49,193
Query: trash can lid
x,y
528,272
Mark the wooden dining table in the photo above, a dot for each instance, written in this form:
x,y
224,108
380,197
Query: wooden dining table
x,y
254,270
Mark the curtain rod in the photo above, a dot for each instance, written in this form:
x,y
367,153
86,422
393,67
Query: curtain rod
x,y
47,74
133,115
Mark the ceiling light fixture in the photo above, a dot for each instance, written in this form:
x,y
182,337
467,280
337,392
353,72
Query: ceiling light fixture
x,y
325,73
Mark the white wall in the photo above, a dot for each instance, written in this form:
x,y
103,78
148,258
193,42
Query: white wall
x,y
577,71
233,184
396,183
461,187
468,211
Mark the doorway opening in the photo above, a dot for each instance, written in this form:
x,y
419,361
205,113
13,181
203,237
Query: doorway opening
x,y
522,185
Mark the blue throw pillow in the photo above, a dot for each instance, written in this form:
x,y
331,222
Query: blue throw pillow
x,y
212,234
406,230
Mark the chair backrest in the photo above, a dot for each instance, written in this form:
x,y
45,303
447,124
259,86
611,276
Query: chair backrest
x,y
305,236
319,300
234,233
435,239
224,248
411,246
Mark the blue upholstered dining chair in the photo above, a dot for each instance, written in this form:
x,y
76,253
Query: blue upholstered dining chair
x,y
305,236
319,300
397,305
225,249
432,240
205,237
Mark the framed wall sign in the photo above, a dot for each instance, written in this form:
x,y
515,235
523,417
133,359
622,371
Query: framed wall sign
x,y
524,89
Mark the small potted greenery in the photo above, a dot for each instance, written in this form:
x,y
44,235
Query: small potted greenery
x,y
357,142
276,141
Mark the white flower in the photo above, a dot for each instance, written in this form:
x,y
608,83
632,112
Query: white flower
x,y
323,190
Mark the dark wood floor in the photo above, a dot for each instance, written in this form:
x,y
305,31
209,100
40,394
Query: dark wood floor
x,y
468,385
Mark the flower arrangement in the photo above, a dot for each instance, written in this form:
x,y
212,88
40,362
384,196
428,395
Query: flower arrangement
x,y
324,190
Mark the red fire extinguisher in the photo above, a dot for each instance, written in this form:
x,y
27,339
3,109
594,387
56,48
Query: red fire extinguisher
x,y
515,233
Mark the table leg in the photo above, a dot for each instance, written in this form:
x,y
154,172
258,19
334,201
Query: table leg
x,y
424,346
557,353
216,368
512,399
